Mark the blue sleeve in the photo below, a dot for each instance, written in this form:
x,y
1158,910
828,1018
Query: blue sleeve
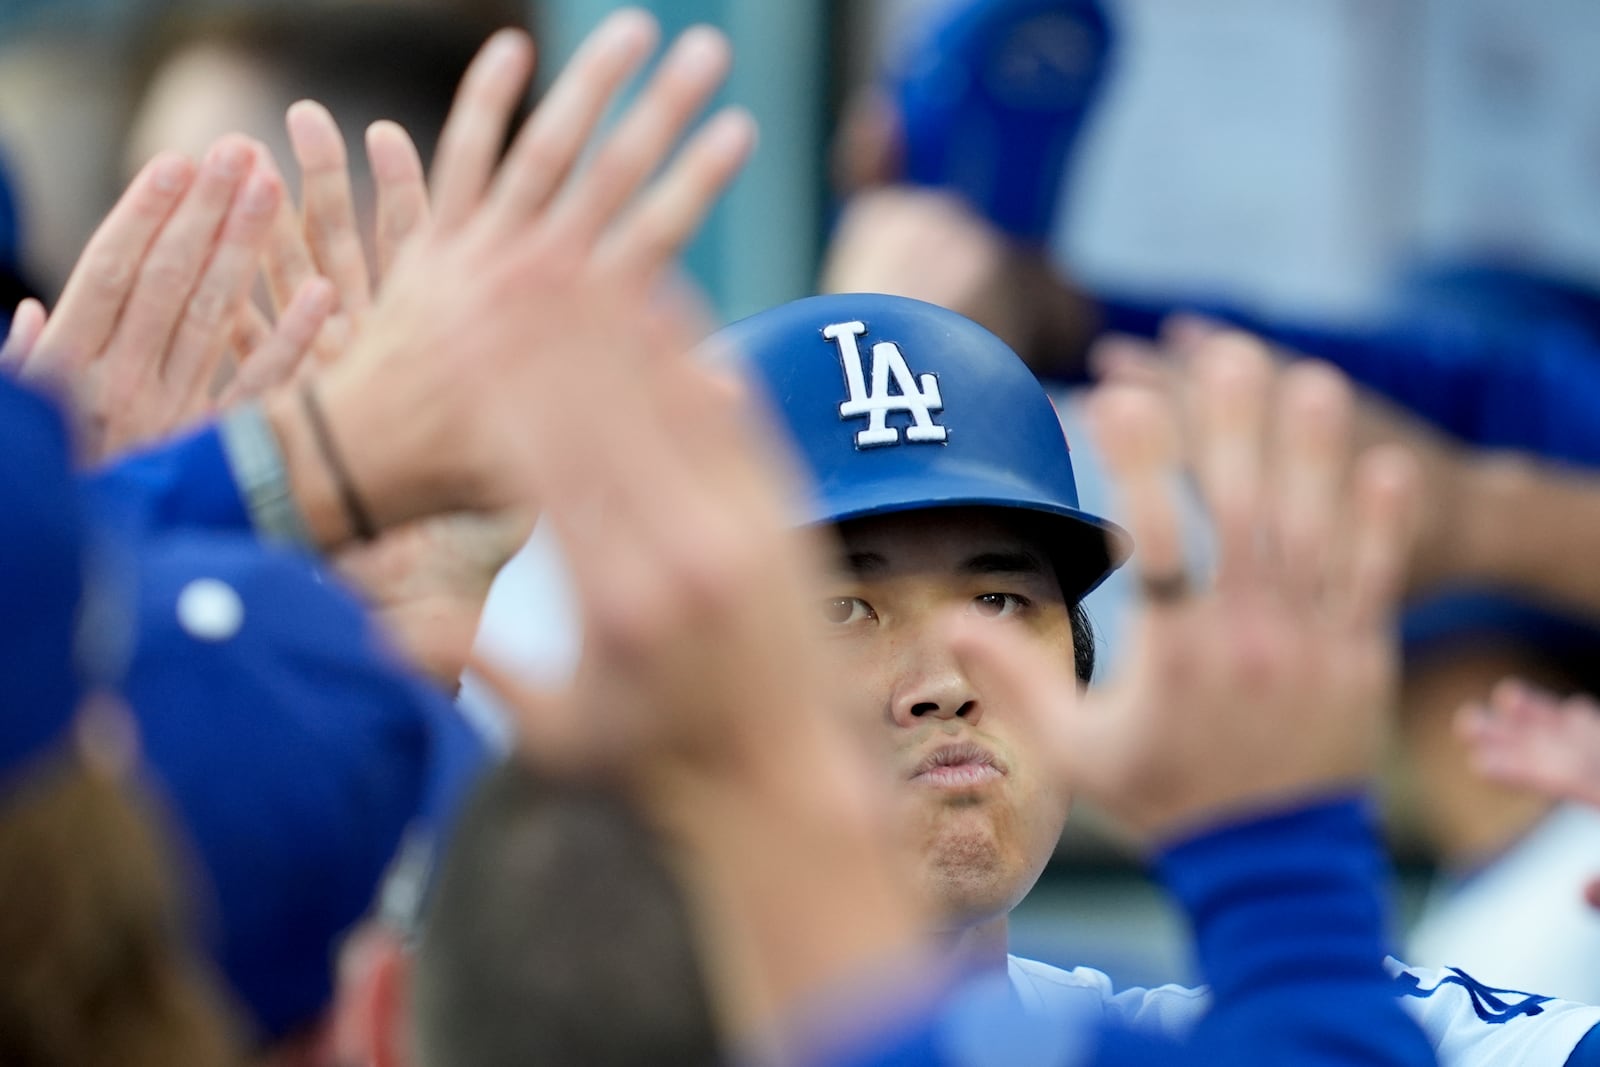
x,y
1290,926
1289,922
1532,389
1587,1051
184,483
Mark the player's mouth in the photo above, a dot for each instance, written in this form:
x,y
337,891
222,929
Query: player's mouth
x,y
963,765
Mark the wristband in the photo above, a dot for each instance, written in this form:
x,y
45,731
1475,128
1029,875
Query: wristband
x,y
360,519
256,462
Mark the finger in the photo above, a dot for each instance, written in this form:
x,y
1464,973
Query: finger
x,y
402,189
167,278
27,323
286,347
250,331
1384,494
203,334
105,274
1139,441
1185,331
549,144
328,205
1232,379
870,147
286,263
1129,360
1008,671
672,211
693,69
1313,416
470,142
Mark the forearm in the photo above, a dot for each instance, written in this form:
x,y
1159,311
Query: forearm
x,y
1528,527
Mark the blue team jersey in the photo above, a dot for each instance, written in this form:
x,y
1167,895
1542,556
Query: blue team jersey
x,y
1469,1023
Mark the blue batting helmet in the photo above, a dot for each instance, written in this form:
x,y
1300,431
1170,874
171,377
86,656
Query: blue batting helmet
x,y
898,405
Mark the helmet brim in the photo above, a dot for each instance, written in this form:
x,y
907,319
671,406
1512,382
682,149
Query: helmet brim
x,y
1085,548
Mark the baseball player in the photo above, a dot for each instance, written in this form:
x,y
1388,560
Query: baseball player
x,y
939,459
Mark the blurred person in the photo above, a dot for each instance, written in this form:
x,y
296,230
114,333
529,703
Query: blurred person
x,y
982,515
491,234
700,648
1504,364
102,968
239,475
198,72
242,774
1527,739
556,934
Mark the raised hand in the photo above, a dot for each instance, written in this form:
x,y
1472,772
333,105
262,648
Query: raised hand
x,y
480,308
429,581
152,309
324,238
1269,682
1525,737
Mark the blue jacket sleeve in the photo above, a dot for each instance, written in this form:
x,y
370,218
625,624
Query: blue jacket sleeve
x,y
184,483
1290,928
1532,389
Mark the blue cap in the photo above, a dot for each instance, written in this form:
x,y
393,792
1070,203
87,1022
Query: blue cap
x,y
992,98
41,577
898,405
292,747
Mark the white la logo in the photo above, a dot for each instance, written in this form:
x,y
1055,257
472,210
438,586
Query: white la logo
x,y
916,396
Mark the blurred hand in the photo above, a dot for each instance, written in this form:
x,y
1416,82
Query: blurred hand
x,y
474,318
159,301
1447,470
1269,684
1526,737
426,581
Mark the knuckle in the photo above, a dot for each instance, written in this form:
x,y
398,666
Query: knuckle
x,y
108,271
207,309
164,273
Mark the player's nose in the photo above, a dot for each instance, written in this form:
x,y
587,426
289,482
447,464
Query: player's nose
x,y
934,687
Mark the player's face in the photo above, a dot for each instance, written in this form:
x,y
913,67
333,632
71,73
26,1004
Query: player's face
x,y
981,814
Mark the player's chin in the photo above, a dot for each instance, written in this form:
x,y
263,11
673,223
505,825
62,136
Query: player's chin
x,y
970,880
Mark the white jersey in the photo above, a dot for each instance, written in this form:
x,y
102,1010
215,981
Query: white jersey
x,y
1468,1023
1555,942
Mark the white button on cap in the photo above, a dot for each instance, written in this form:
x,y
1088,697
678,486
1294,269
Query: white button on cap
x,y
210,610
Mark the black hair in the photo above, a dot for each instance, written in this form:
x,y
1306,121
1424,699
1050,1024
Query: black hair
x,y
558,934
1082,643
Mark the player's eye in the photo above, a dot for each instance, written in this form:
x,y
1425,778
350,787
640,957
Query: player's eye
x,y
999,605
843,610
